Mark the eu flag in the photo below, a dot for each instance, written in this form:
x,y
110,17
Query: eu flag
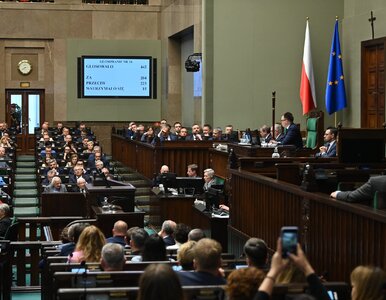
x,y
335,91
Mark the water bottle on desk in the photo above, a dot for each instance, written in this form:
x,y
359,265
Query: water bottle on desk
x,y
105,204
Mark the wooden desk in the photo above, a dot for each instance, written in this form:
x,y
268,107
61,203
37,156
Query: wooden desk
x,y
63,204
105,220
117,188
215,228
176,208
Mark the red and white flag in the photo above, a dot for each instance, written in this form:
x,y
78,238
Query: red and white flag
x,y
307,84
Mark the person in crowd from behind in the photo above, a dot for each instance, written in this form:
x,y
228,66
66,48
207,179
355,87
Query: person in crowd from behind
x,y
48,179
112,257
207,263
56,186
192,170
180,236
244,283
230,135
329,148
183,134
154,249
368,282
217,134
292,135
167,231
364,193
291,274
278,264
159,282
185,255
128,235
119,232
265,133
207,132
74,233
137,242
196,234
5,220
196,133
256,253
209,179
148,136
3,154
89,246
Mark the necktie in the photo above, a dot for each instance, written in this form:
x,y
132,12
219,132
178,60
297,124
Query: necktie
x,y
328,147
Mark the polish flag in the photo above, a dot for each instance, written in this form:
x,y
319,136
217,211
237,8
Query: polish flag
x,y
307,84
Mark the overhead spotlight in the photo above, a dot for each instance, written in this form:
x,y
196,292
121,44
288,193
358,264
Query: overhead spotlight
x,y
192,64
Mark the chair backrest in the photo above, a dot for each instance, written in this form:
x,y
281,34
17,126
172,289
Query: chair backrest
x,y
315,129
379,201
12,233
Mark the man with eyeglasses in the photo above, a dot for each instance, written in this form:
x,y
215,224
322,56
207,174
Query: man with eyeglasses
x,y
329,148
292,135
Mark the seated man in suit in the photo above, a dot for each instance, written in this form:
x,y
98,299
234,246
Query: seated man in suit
x,y
56,186
265,133
50,174
53,165
329,149
112,257
80,186
292,135
364,193
196,133
48,151
278,133
165,134
192,170
230,135
207,261
167,230
119,232
209,179
97,155
217,134
78,173
207,132
183,135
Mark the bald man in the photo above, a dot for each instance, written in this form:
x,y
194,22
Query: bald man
x,y
119,233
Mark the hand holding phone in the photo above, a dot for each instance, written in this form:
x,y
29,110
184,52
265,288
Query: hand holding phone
x,y
289,240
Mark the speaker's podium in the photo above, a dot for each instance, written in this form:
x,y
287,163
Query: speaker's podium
x,y
117,193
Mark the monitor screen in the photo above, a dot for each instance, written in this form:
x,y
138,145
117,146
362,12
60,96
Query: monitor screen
x,y
212,198
168,180
117,77
195,184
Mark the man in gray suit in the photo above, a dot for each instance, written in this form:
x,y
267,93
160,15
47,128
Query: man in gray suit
x,y
364,193
56,186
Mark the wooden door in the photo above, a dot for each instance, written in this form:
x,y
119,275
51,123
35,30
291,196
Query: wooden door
x,y
373,83
25,111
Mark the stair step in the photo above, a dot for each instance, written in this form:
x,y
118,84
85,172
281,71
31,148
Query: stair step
x,y
25,193
25,170
25,158
26,164
130,176
142,191
26,211
25,184
25,177
25,202
140,183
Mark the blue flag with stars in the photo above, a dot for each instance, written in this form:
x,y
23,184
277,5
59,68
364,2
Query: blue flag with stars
x,y
335,91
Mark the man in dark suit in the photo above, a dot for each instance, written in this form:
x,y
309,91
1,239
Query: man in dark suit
x,y
119,233
78,173
265,132
364,193
207,261
167,231
329,148
292,135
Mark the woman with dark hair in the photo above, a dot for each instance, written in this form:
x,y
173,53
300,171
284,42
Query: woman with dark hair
x,y
154,249
159,282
